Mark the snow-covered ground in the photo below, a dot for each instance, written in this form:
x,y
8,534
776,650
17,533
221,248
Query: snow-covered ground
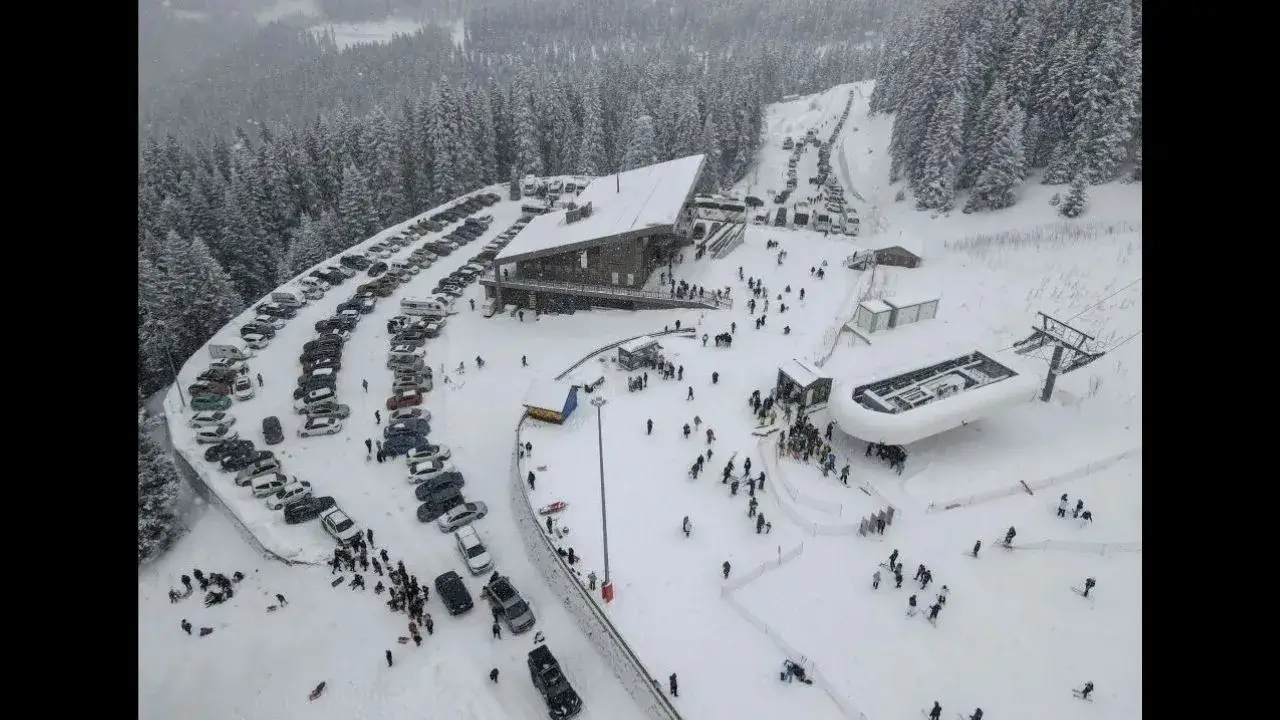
x,y
381,31
1013,638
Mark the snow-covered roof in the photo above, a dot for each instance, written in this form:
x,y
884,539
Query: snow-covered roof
x,y
800,372
910,243
546,394
637,344
907,300
651,196
934,418
875,306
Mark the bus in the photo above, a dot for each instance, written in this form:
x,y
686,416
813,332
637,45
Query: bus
x,y
717,208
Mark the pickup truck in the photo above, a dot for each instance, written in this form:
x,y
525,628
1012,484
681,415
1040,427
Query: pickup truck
x,y
504,598
547,677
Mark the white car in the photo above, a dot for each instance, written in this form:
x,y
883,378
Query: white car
x,y
212,417
464,514
423,471
230,364
427,453
409,413
474,553
270,320
255,341
339,526
289,494
243,389
213,434
320,426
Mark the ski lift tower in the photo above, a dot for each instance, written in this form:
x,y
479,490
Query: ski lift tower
x,y
1072,349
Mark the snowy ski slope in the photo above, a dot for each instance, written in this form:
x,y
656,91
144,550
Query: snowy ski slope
x,y
1013,638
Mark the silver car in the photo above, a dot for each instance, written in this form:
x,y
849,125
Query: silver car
x,y
464,514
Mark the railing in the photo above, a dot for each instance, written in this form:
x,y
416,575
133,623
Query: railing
x,y
1021,487
729,242
1082,547
610,290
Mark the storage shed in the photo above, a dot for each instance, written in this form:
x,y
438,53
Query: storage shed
x,y
873,316
800,383
907,310
550,400
638,353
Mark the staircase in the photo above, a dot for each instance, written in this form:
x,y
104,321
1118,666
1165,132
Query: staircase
x,y
730,236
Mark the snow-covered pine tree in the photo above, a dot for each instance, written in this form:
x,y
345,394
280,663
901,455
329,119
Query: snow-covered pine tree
x,y
306,248
528,150
485,140
357,216
1077,199
445,141
380,136
687,132
987,127
407,158
214,300
641,149
1006,163
711,166
513,187
158,524
935,187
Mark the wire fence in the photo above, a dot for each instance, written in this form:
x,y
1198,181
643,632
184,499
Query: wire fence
x,y
813,529
1082,547
1027,487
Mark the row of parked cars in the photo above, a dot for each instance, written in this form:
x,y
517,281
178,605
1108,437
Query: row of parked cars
x,y
224,379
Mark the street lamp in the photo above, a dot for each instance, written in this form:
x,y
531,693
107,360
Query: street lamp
x,y
606,590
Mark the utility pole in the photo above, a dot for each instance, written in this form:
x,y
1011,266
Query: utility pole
x,y
1070,349
606,590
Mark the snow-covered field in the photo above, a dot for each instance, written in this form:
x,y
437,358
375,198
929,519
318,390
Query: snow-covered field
x,y
1013,638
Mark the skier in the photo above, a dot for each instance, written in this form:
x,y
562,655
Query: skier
x,y
911,606
690,396
686,526
977,714
497,631
1079,507
649,426
725,567
672,682
919,572
936,712
875,580
1084,692
493,674
186,626
388,658
686,431
524,362
1088,585
976,547
1008,537
933,611
942,595
1062,505
365,383
893,557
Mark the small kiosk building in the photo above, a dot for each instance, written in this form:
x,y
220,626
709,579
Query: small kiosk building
x,y
638,353
550,400
800,383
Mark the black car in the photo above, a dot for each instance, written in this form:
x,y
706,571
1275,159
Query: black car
x,y
454,593
409,426
271,430
225,449
439,504
235,463
356,262
443,484
324,343
320,351
377,269
277,311
321,363
307,509
398,445
254,328
315,383
352,304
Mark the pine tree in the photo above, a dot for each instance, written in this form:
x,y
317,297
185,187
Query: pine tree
x,y
306,248
710,178
215,301
987,128
1006,164
1077,199
528,151
591,156
158,489
357,216
935,186
641,149
687,129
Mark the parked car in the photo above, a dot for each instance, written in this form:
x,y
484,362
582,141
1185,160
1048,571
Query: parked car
x,y
401,444
402,383
256,468
271,430
505,599
289,494
439,503
212,417
355,262
238,462
320,426
255,341
453,593
339,526
473,551
411,426
268,484
215,453
325,343
409,413
243,389
205,387
440,486
464,514
257,328
308,509
427,453
377,269
215,434
311,386
419,472
324,410
404,399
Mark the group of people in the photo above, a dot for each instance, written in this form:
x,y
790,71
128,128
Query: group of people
x,y
1079,513
895,455
223,589
923,575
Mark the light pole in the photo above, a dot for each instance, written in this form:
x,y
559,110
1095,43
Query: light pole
x,y
606,590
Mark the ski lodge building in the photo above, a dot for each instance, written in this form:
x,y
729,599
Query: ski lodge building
x,y
602,250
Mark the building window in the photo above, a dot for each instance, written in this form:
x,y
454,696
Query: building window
x,y
631,279
615,278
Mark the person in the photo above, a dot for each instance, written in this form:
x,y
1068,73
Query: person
x,y
493,675
524,362
389,658
686,526
675,689
976,547
1088,585
1008,537
977,714
649,427
473,303
532,479
259,379
942,595
591,580
1088,688
316,692
875,580
725,568
365,383
911,606
934,609
186,626
1062,506
280,599
936,712
497,631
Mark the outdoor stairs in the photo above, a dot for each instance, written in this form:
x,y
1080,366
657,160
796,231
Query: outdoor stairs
x,y
648,299
729,237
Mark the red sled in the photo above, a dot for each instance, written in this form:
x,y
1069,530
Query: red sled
x,y
553,508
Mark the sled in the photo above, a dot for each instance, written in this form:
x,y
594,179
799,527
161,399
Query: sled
x,y
272,608
555,507
206,631
402,640
1078,694
1080,592
337,581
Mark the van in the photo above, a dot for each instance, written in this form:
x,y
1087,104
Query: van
x,y
822,222
268,484
489,308
529,185
420,306
229,351
289,298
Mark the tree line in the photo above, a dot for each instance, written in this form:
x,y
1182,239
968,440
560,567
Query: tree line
x,y
984,92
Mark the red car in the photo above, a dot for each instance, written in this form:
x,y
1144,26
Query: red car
x,y
408,398
208,388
